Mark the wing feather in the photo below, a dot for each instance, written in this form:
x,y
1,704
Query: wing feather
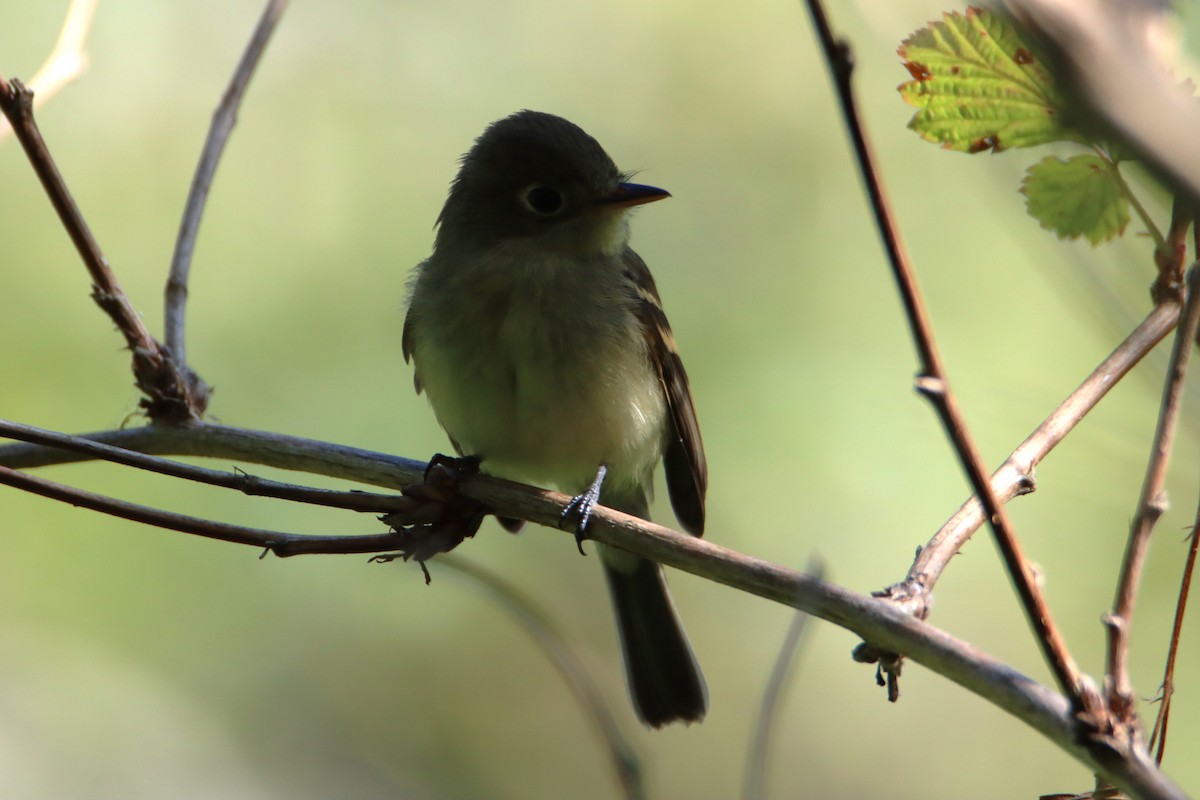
x,y
683,457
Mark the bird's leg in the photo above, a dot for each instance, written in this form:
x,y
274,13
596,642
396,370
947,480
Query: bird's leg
x,y
581,506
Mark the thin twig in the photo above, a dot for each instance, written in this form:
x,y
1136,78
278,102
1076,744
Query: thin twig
x,y
1131,197
625,762
1015,475
235,444
168,391
1166,692
1151,505
793,641
169,520
224,118
241,481
67,60
933,383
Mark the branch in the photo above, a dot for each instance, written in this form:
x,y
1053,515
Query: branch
x,y
1015,475
138,513
1167,690
241,481
224,118
166,388
1121,760
238,444
793,642
934,384
622,756
1151,504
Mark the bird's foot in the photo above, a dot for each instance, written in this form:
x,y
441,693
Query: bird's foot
x,y
581,506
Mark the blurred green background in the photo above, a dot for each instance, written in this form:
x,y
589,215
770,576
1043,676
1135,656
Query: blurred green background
x,y
141,663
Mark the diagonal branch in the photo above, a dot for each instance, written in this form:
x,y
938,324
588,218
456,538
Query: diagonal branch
x,y
1151,505
139,513
1166,691
624,760
168,392
933,383
1015,475
224,118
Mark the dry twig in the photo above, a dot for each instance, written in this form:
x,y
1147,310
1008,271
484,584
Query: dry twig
x,y
224,118
1151,505
933,383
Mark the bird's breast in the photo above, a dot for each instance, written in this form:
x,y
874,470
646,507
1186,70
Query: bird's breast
x,y
547,379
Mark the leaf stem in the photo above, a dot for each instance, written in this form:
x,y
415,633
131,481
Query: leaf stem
x,y
1152,229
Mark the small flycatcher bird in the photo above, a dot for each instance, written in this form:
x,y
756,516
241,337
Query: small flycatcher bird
x,y
538,336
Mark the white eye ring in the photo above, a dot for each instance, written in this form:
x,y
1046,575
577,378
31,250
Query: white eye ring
x,y
543,200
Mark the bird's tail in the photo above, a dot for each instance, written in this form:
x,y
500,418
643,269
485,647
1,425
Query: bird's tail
x,y
665,681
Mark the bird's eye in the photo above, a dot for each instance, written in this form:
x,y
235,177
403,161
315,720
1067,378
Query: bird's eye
x,y
543,200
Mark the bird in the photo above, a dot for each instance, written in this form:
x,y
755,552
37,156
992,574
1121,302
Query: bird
x,y
537,334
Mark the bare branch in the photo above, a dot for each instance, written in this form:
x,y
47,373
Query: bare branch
x,y
241,481
625,763
1015,475
236,444
138,513
1120,759
168,391
1151,505
793,643
1166,691
224,118
934,384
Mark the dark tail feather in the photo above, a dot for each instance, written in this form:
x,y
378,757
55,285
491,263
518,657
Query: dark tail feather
x,y
664,678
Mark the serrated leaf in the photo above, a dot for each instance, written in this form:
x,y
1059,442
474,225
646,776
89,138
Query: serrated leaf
x,y
979,86
1081,196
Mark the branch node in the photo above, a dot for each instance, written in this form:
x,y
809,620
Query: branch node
x,y
910,595
930,386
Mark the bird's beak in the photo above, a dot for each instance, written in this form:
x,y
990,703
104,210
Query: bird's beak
x,y
632,194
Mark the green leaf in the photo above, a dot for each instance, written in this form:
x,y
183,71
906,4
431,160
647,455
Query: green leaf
x,y
1082,196
979,86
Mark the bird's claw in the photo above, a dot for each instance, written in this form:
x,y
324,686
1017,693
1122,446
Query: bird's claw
x,y
581,507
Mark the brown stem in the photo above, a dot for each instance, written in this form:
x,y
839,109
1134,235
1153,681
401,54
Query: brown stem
x,y
1015,475
167,389
138,513
1167,690
1151,505
933,383
224,118
241,481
